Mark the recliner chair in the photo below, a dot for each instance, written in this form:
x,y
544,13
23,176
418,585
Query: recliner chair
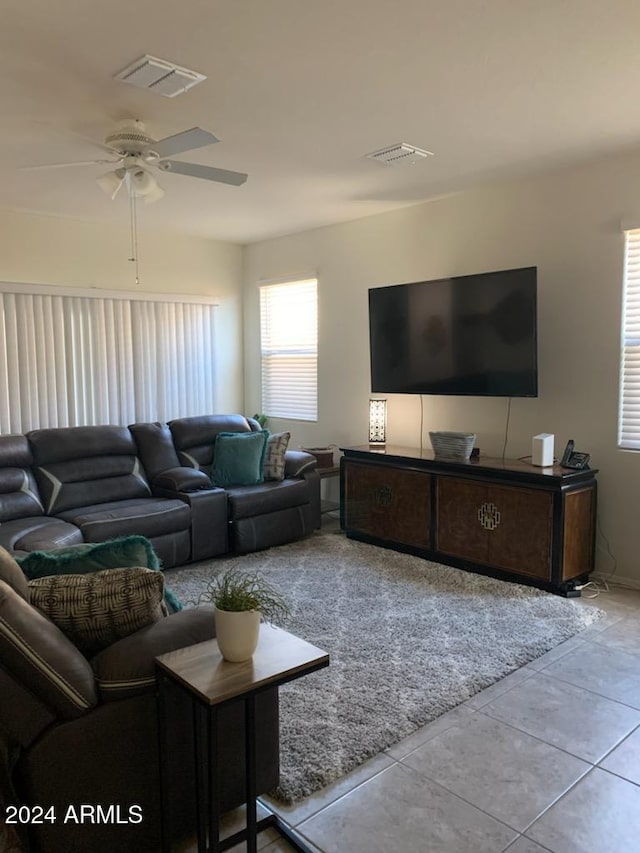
x,y
85,731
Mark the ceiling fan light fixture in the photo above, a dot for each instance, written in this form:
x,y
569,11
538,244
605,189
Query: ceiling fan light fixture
x,y
154,195
110,182
142,182
144,185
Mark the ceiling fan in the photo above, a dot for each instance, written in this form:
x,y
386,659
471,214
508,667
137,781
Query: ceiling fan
x,y
134,153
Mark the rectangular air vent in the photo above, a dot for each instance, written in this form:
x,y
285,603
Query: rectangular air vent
x,y
159,76
398,154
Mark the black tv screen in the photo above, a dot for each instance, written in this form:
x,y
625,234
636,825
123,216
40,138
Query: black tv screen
x,y
468,335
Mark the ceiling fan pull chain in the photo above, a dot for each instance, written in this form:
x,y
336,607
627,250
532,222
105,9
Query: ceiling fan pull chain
x,y
134,226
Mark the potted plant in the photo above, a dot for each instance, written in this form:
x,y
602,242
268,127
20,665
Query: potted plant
x,y
240,600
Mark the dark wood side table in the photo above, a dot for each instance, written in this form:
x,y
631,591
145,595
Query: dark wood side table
x,y
211,682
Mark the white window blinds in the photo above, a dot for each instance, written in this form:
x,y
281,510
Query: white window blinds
x,y
629,410
73,361
289,349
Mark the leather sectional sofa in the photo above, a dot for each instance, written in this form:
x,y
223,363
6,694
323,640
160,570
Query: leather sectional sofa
x,y
68,485
77,729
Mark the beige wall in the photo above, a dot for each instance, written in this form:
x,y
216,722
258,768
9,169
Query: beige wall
x,y
48,250
568,225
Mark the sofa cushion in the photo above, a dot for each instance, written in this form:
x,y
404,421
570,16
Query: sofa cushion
x,y
19,496
38,656
12,574
41,534
144,516
193,437
36,533
128,668
73,464
119,553
97,609
238,458
249,501
274,460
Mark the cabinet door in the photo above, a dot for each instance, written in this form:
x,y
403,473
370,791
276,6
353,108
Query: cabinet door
x,y
522,540
579,532
505,527
388,503
458,529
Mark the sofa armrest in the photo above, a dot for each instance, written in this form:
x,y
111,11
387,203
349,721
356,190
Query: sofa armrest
x,y
297,463
38,656
209,522
181,479
127,668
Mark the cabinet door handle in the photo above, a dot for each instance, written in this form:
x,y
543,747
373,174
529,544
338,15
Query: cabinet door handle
x,y
383,495
489,516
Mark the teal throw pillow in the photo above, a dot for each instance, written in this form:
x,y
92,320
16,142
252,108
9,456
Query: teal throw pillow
x,y
120,553
238,458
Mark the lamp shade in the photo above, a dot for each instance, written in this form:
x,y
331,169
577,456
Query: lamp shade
x,y
139,182
377,421
145,185
111,182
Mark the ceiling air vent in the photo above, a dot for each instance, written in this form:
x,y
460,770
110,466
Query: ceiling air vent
x,y
398,154
159,76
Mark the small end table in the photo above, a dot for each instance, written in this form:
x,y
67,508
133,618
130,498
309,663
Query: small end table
x,y
325,474
211,682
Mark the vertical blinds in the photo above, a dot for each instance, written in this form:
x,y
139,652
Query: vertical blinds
x,y
629,413
75,361
289,349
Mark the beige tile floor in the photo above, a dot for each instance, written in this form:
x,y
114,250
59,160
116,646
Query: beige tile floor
x,y
548,759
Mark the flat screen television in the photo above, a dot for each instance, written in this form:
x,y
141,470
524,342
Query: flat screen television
x,y
468,335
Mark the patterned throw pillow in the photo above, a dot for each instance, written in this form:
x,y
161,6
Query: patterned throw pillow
x,y
96,609
274,458
116,553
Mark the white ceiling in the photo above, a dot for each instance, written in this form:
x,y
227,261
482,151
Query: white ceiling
x,y
299,91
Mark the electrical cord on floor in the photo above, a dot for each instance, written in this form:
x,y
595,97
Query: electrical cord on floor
x,y
601,584
593,588
608,552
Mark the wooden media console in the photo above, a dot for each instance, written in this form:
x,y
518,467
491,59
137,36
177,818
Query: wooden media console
x,y
505,518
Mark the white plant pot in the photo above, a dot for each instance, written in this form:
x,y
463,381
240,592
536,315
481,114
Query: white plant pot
x,y
237,633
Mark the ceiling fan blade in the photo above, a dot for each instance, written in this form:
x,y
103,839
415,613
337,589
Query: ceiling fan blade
x,y
196,137
108,149
68,132
208,173
66,165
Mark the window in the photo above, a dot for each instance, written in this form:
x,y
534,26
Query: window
x,y
69,360
629,411
289,349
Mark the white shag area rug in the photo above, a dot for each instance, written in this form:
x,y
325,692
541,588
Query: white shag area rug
x,y
408,640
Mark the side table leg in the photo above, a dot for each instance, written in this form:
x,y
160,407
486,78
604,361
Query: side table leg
x,y
163,746
250,775
213,787
202,758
